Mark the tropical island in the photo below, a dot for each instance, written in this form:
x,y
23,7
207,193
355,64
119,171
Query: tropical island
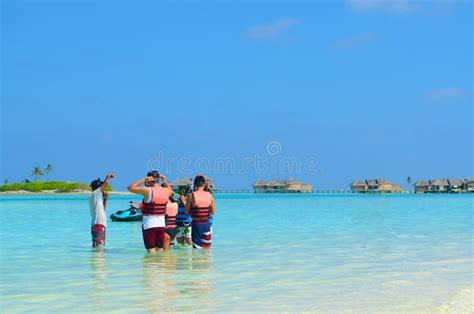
x,y
38,186
290,185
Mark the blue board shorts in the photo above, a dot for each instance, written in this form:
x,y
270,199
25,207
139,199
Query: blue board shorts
x,y
201,234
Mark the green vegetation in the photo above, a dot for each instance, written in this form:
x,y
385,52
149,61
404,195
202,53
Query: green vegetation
x,y
58,186
48,169
38,186
37,173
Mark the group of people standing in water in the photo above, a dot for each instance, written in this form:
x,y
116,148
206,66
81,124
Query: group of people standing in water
x,y
188,219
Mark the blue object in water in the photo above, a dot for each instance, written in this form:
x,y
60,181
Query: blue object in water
x,y
131,214
183,218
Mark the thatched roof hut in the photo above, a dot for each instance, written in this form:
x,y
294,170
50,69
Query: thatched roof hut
x,y
293,181
276,183
375,185
455,182
439,182
189,182
259,184
421,183
358,183
290,185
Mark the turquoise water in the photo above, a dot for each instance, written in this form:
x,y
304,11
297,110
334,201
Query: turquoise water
x,y
284,253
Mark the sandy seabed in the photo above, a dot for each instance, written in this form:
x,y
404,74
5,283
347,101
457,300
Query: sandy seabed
x,y
461,303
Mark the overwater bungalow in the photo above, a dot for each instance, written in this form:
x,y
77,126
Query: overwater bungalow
x,y
295,185
278,186
455,185
372,184
189,183
259,186
359,186
375,186
176,184
444,185
421,186
439,185
469,185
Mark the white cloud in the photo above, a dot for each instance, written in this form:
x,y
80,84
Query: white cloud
x,y
385,6
271,30
403,7
444,94
355,41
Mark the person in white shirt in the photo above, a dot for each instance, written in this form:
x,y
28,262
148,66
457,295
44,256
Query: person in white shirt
x,y
153,207
97,205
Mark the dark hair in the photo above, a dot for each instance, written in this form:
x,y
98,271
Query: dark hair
x,y
183,190
96,184
199,181
153,174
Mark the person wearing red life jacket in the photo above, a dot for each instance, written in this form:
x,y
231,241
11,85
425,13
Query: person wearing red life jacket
x,y
201,206
170,220
153,207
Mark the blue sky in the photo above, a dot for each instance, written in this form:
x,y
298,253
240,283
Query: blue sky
x,y
359,88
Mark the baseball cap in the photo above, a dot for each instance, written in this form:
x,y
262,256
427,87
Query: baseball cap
x,y
96,184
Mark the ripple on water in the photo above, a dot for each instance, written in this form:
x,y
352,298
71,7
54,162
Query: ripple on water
x,y
361,254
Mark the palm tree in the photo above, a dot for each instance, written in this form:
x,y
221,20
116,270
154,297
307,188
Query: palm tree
x,y
5,181
37,173
48,169
409,180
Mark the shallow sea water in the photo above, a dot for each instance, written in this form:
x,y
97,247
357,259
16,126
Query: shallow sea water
x,y
270,253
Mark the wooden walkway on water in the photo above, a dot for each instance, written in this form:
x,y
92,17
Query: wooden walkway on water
x,y
327,191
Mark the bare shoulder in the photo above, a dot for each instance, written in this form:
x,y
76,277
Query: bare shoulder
x,y
144,191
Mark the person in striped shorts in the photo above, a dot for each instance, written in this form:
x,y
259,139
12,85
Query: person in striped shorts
x,y
200,204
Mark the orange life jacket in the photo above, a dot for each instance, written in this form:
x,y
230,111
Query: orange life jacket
x,y
159,199
201,210
171,211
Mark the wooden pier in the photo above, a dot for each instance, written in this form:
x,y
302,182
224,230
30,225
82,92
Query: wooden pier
x,y
321,191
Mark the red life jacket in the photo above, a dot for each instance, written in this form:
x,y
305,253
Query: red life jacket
x,y
201,210
171,212
159,199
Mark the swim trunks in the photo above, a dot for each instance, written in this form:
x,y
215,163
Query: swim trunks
x,y
153,237
171,232
183,232
98,235
201,235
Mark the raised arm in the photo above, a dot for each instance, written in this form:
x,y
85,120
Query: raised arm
x,y
136,187
189,202
106,181
182,198
166,185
